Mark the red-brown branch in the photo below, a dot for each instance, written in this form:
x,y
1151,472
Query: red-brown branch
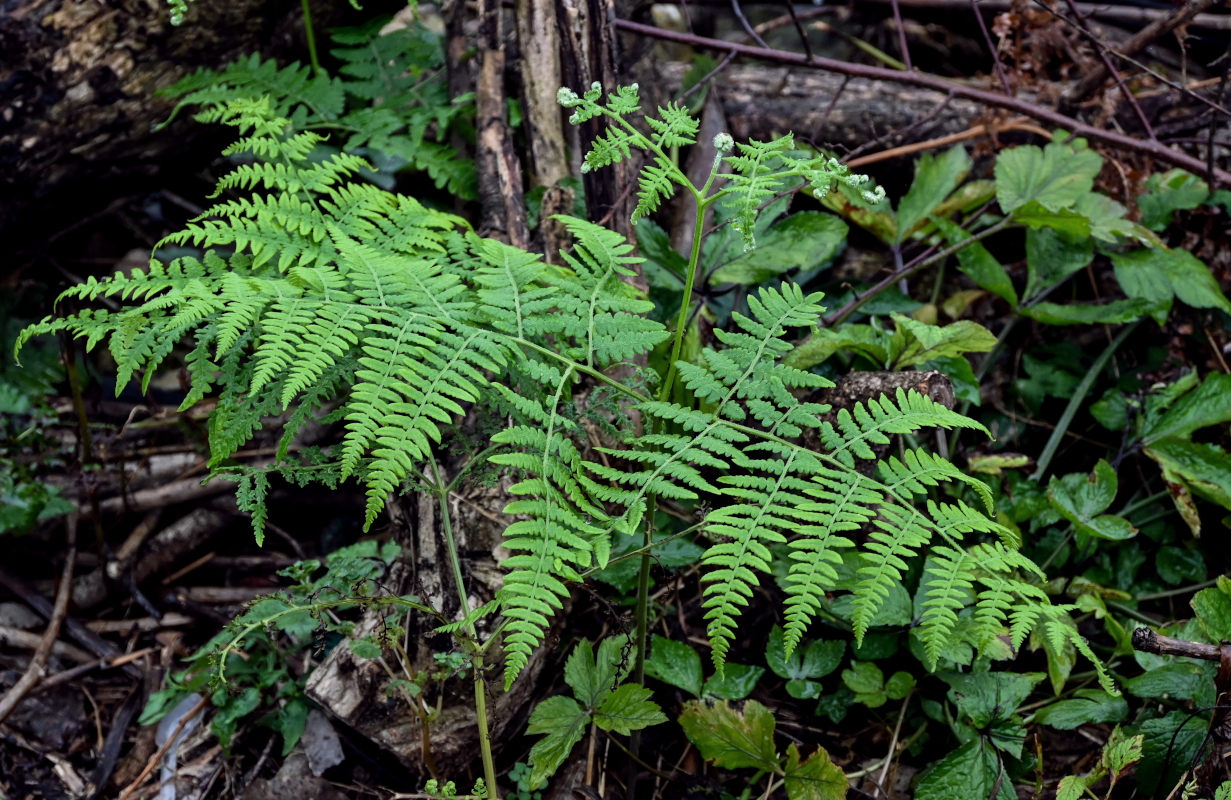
x,y
1153,149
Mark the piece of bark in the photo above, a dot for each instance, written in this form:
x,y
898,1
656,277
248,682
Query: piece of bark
x,y
1147,641
160,552
77,93
859,387
502,201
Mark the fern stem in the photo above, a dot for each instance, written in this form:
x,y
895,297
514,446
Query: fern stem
x,y
690,279
308,34
441,490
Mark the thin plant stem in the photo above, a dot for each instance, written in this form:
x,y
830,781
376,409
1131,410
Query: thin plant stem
x,y
441,490
1079,396
1142,598
311,37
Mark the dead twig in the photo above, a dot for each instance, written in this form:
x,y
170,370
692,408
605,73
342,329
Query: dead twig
x,y
156,759
38,662
1147,641
1159,27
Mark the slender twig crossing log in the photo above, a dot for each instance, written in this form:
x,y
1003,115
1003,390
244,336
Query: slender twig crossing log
x,y
1153,149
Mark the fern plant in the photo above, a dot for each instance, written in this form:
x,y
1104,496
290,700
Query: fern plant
x,y
324,297
389,100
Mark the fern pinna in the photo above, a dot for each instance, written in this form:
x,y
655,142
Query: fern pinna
x,y
320,296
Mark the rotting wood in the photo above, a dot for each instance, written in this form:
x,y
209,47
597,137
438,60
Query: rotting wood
x,y
77,92
1147,641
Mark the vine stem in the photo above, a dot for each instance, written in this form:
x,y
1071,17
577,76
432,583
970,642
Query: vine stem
x,y
441,490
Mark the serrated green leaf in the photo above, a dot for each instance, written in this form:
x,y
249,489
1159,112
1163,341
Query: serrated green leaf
x,y
984,697
675,663
1213,609
1207,404
1179,681
1201,468
627,709
1079,499
867,681
916,342
1168,192
1088,706
935,179
1157,274
731,738
1114,313
1051,257
562,722
1072,787
1055,176
816,778
971,771
808,661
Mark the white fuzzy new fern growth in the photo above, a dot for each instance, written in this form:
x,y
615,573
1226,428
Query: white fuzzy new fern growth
x,y
319,296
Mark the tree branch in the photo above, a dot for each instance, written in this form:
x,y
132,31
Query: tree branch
x,y
1153,149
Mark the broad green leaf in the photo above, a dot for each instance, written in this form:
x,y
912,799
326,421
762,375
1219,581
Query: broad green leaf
x,y
899,685
1111,410
867,681
731,738
592,678
675,663
1201,468
935,179
1064,221
1168,192
969,772
627,709
816,778
813,660
1113,313
1213,609
1208,404
1180,565
915,342
978,264
1088,706
1157,275
562,722
804,240
862,339
1079,499
1054,176
1223,792
736,682
291,721
1108,223
1052,257
1168,746
1178,681
983,697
